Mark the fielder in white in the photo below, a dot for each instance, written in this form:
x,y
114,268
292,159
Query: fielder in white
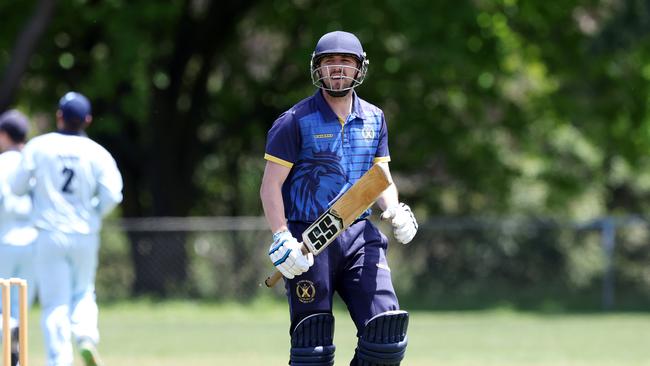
x,y
74,182
17,235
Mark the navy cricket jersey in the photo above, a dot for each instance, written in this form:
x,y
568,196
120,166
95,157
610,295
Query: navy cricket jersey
x,y
326,155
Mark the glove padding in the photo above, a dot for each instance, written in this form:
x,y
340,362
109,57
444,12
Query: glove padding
x,y
404,224
286,256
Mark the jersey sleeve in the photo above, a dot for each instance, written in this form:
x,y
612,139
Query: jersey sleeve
x,y
19,207
19,179
4,181
283,141
382,155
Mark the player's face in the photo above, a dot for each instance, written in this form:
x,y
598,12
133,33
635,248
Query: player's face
x,y
338,71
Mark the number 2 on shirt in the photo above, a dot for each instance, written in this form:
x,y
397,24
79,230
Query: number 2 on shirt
x,y
68,174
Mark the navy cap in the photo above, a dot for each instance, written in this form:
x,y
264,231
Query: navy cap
x,y
339,42
74,107
15,124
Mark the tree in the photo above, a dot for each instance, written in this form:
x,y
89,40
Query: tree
x,y
493,107
24,48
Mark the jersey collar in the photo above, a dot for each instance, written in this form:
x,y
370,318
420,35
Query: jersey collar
x,y
328,113
71,133
357,111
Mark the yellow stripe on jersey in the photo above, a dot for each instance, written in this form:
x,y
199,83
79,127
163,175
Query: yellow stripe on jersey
x,y
278,160
381,159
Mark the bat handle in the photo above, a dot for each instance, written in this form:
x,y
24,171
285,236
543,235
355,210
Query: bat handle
x,y
273,279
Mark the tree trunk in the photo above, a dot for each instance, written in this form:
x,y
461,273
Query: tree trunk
x,y
174,149
23,50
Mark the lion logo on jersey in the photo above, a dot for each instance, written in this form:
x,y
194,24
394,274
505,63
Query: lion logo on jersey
x,y
316,182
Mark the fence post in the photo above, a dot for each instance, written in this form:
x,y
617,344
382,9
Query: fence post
x,y
608,240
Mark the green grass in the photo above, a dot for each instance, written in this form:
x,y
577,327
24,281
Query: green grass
x,y
187,333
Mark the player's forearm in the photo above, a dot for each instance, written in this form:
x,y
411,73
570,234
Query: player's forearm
x,y
107,202
109,192
273,207
19,207
19,182
388,198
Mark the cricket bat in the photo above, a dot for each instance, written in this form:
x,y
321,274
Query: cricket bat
x,y
341,214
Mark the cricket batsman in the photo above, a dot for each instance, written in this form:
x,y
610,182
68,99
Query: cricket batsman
x,y
314,151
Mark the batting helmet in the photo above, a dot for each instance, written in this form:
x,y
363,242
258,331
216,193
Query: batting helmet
x,y
338,43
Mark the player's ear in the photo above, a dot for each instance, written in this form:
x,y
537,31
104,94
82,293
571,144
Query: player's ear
x,y
59,119
88,121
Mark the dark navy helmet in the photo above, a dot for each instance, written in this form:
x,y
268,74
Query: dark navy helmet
x,y
75,107
15,124
338,43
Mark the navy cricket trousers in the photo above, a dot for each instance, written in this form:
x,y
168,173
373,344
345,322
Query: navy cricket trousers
x,y
354,266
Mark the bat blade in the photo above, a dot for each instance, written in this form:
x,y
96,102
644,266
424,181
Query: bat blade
x,y
346,209
341,214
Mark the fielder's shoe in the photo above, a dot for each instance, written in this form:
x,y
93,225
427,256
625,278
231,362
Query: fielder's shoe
x,y
89,353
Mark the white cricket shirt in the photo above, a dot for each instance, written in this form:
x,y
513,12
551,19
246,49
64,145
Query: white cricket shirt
x,y
15,228
73,180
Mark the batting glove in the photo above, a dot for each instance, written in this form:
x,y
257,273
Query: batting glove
x,y
285,253
404,224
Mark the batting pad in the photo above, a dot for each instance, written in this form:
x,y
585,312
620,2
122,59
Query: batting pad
x,y
312,341
383,341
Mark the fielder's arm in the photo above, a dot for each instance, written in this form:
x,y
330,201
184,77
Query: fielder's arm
x,y
19,179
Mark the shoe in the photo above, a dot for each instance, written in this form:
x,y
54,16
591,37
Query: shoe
x,y
89,353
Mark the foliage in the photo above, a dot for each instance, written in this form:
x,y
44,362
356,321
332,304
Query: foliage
x,y
494,107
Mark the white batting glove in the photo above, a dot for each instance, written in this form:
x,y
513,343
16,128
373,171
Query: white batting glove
x,y
404,224
286,256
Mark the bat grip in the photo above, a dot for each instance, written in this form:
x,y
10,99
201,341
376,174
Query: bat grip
x,y
276,276
273,279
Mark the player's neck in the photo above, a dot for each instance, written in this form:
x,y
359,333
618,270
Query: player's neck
x,y
13,147
341,106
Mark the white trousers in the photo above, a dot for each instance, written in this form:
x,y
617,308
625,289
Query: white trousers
x,y
65,267
18,261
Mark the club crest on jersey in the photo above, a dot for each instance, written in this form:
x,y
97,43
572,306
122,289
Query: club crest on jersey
x,y
305,291
368,133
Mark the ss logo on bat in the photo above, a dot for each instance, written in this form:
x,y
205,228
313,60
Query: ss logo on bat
x,y
324,231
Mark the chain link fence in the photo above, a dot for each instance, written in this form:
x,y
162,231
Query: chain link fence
x,y
454,263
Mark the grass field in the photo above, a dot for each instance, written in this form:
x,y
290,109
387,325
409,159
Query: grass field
x,y
197,334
